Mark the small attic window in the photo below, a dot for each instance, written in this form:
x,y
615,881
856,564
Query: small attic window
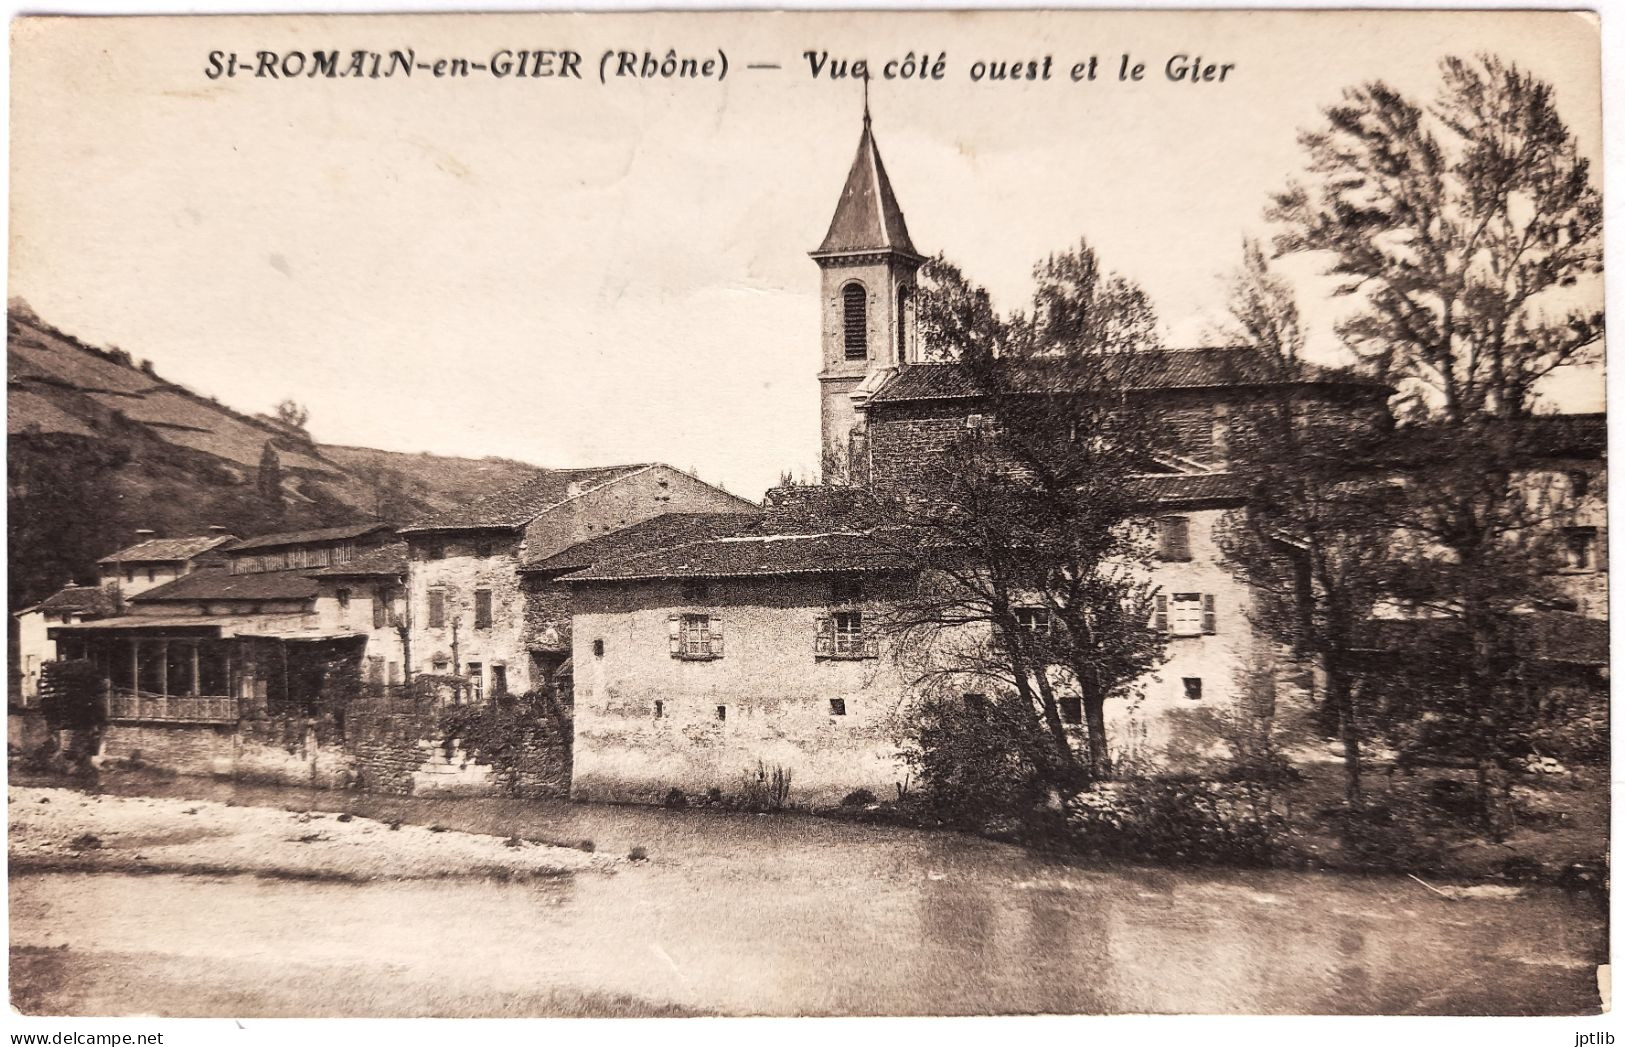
x,y
855,320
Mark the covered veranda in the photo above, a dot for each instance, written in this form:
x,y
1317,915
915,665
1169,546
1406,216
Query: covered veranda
x,y
200,670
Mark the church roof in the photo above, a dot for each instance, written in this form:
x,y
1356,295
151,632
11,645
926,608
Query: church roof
x,y
1164,369
867,218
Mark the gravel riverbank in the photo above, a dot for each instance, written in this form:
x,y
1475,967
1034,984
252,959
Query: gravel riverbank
x,y
60,829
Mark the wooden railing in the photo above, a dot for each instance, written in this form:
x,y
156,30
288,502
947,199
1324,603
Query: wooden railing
x,y
138,705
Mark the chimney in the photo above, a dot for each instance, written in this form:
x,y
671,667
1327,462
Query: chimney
x,y
144,533
216,529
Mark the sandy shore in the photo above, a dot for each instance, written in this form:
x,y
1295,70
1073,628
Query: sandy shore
x,y
60,829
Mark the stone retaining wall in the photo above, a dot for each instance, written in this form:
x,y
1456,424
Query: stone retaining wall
x,y
388,754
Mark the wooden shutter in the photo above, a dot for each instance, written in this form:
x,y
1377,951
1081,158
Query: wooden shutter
x,y
716,637
674,628
1159,620
437,609
1176,538
482,608
1210,617
824,638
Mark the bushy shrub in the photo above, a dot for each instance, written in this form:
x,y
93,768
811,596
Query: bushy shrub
x,y
983,760
71,696
1180,821
858,798
675,799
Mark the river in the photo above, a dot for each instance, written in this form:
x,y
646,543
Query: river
x,y
782,915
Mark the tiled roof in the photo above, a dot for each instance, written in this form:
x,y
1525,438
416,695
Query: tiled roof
x,y
384,561
222,585
1567,435
660,532
868,217
82,599
1160,370
320,534
168,550
746,556
1175,488
518,506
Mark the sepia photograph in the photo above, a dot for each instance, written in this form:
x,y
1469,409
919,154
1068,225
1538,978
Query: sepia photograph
x,y
807,514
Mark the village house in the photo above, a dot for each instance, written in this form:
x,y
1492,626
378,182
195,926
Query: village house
x,y
67,606
471,614
714,664
154,561
249,635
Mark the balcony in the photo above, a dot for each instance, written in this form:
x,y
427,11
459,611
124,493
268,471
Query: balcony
x,y
138,706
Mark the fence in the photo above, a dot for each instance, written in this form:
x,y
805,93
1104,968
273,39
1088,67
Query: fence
x,y
137,706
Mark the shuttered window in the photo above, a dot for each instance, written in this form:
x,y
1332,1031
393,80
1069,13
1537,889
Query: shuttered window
x,y
855,318
1159,617
695,637
437,609
1187,614
482,608
1175,534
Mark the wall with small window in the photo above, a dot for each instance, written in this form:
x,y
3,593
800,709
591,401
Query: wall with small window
x,y
370,606
1204,611
687,684
466,606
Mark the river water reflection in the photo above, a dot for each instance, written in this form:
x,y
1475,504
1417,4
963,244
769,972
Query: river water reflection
x,y
745,914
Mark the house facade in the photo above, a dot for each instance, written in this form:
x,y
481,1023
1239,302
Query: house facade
x,y
155,561
473,613
35,648
249,635
716,664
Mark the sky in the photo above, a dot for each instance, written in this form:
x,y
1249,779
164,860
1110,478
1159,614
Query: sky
x,y
574,273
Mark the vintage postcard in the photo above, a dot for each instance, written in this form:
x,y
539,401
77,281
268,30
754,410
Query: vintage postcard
x,y
807,514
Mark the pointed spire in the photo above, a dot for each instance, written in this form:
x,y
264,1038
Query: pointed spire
x,y
868,217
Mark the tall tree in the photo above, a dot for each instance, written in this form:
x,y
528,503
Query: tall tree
x,y
1314,540
268,481
1467,231
1029,528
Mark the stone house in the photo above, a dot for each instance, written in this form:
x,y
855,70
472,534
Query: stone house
x,y
715,663
1571,452
367,597
470,613
248,635
547,628
67,606
153,561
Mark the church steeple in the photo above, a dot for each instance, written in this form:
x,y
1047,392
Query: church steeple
x,y
867,217
869,268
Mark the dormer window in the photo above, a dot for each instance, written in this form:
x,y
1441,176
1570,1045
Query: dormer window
x,y
855,320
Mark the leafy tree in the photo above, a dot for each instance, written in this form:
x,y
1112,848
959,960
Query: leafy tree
x,y
292,414
1466,231
1028,531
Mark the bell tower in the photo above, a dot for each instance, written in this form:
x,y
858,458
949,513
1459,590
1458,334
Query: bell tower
x,y
868,268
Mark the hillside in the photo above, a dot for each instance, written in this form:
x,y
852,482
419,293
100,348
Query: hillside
x,y
100,445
